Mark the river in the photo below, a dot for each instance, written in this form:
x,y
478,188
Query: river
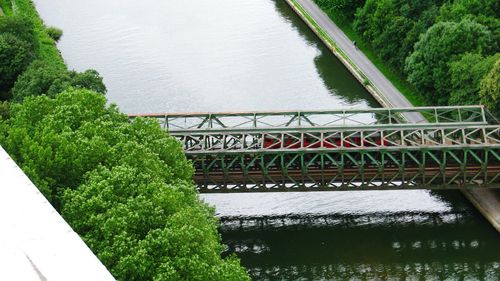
x,y
230,55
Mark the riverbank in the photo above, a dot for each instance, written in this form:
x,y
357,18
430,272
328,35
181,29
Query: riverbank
x,y
380,87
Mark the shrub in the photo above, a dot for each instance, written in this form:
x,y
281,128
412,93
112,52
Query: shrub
x,y
466,74
89,79
15,56
428,65
54,33
41,78
4,110
21,28
490,89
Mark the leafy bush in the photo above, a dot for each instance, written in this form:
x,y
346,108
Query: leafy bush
x,y
428,65
346,8
466,74
148,230
54,33
89,79
46,51
15,56
4,110
20,27
41,78
490,89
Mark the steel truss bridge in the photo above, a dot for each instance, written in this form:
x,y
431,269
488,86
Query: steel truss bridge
x,y
455,147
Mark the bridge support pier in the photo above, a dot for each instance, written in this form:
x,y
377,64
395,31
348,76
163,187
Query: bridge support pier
x,y
487,201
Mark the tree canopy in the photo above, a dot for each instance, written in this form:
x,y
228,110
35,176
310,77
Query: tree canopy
x,y
466,74
125,187
41,78
15,56
490,89
428,65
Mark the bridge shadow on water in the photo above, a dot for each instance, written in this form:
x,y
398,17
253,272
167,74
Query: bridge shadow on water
x,y
374,246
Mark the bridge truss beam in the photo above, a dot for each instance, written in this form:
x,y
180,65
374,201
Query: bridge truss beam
x,y
344,158
347,170
318,118
340,149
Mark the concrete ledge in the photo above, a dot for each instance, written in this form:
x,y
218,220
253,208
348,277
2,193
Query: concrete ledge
x,y
487,201
35,242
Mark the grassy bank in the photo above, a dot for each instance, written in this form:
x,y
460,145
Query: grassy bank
x,y
47,50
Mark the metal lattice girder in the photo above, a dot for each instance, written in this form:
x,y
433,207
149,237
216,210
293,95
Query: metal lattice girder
x,y
388,137
339,149
319,118
464,167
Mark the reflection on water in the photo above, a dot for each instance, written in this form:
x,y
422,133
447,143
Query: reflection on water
x,y
383,246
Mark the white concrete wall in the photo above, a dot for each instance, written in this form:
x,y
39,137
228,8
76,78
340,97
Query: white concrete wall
x,y
35,242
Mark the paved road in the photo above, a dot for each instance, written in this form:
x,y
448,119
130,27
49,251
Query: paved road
x,y
392,94
487,200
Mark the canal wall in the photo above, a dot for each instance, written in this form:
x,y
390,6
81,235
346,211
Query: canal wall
x,y
487,201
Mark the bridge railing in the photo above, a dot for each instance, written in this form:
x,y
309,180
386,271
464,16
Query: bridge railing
x,y
320,118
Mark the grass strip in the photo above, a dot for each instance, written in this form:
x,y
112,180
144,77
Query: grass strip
x,y
47,50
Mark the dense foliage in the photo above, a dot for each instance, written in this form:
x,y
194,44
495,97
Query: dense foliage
x,y
18,48
41,78
430,42
124,186
490,88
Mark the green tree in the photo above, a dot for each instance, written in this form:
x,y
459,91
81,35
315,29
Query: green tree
x,y
21,28
89,79
56,141
125,187
490,89
4,110
393,27
345,8
39,79
15,56
428,65
42,78
148,230
466,75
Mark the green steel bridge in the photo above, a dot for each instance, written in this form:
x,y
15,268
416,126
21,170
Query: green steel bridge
x,y
368,149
